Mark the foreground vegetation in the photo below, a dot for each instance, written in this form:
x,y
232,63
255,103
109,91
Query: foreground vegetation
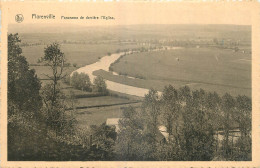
x,y
195,121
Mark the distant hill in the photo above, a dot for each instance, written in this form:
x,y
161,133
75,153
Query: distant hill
x,y
137,32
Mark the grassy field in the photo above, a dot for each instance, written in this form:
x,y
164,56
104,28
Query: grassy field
x,y
95,116
81,54
208,68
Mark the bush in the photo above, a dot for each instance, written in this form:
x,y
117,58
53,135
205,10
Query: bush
x,y
100,85
80,81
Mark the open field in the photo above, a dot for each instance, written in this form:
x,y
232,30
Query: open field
x,y
81,54
208,68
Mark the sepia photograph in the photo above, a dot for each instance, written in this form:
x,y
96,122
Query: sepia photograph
x,y
104,87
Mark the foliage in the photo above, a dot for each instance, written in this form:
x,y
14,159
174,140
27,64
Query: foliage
x,y
171,106
194,120
100,85
132,142
23,84
55,104
243,114
103,142
56,116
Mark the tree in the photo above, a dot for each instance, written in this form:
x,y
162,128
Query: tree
x,y
213,110
184,94
24,101
227,107
243,117
151,111
243,114
23,84
100,85
103,142
133,142
80,81
55,104
55,59
171,109
197,133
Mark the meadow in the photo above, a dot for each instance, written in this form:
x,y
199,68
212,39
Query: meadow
x,y
220,70
101,101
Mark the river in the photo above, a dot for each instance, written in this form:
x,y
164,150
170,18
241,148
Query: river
x,y
104,64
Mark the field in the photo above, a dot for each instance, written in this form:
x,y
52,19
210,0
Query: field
x,y
208,68
96,116
80,54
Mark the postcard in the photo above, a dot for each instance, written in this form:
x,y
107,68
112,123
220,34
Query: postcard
x,y
130,84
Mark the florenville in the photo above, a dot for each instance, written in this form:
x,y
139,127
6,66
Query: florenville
x,y
49,16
